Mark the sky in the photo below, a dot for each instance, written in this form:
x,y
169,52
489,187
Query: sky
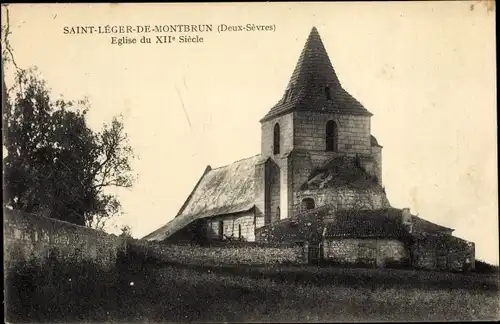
x,y
426,70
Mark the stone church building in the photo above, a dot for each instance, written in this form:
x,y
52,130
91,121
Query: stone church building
x,y
317,181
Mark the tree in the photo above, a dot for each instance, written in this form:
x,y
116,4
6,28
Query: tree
x,y
55,164
126,232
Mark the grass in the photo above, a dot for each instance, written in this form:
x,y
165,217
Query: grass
x,y
180,293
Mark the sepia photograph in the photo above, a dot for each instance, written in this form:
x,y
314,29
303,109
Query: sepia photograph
x,y
250,162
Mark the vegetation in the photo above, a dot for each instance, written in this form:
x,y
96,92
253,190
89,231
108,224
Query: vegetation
x,y
138,291
56,164
126,232
484,267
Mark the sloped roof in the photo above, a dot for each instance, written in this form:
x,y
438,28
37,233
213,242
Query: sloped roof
x,y
385,222
338,172
423,225
225,190
306,88
366,223
297,228
377,223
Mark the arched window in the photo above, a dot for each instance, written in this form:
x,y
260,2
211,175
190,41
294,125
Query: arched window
x,y
308,203
276,142
239,231
331,136
278,213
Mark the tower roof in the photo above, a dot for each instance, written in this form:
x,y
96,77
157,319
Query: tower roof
x,y
314,85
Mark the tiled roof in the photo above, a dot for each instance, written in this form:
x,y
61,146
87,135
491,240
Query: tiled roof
x,y
377,223
298,228
225,190
338,172
380,223
306,89
385,222
422,225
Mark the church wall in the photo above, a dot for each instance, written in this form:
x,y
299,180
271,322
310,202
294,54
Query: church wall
x,y
271,189
246,220
343,198
377,252
320,158
285,185
259,222
353,132
300,169
377,166
286,135
443,252
274,181
277,172
260,190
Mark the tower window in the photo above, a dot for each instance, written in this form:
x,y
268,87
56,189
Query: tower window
x,y
308,203
276,142
328,93
278,213
331,136
239,231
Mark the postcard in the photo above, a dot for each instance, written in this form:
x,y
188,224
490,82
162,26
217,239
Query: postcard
x,y
250,162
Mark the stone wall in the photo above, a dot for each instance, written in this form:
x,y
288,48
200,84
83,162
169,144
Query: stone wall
x,y
353,132
233,225
344,198
274,181
277,172
235,253
271,189
377,252
443,252
377,165
260,188
28,235
286,135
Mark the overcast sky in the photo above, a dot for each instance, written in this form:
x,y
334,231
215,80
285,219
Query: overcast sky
x,y
426,70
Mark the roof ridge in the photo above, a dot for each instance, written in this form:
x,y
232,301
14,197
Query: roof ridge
x,y
208,168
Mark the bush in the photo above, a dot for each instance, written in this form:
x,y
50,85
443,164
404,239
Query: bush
x,y
484,267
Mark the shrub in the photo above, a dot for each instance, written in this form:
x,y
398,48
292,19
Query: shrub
x,y
484,267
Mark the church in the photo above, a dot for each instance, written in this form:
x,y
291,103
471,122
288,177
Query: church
x,y
317,181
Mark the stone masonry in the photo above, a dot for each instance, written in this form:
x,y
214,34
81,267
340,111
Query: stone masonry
x,y
32,236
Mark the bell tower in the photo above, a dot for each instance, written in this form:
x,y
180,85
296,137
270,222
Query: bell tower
x,y
315,120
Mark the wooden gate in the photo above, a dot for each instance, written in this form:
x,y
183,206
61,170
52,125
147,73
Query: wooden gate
x,y
314,253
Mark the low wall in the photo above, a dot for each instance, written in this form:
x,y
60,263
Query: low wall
x,y
443,252
378,252
32,236
233,253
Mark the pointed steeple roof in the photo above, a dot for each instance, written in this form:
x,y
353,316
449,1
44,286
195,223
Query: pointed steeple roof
x,y
314,85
